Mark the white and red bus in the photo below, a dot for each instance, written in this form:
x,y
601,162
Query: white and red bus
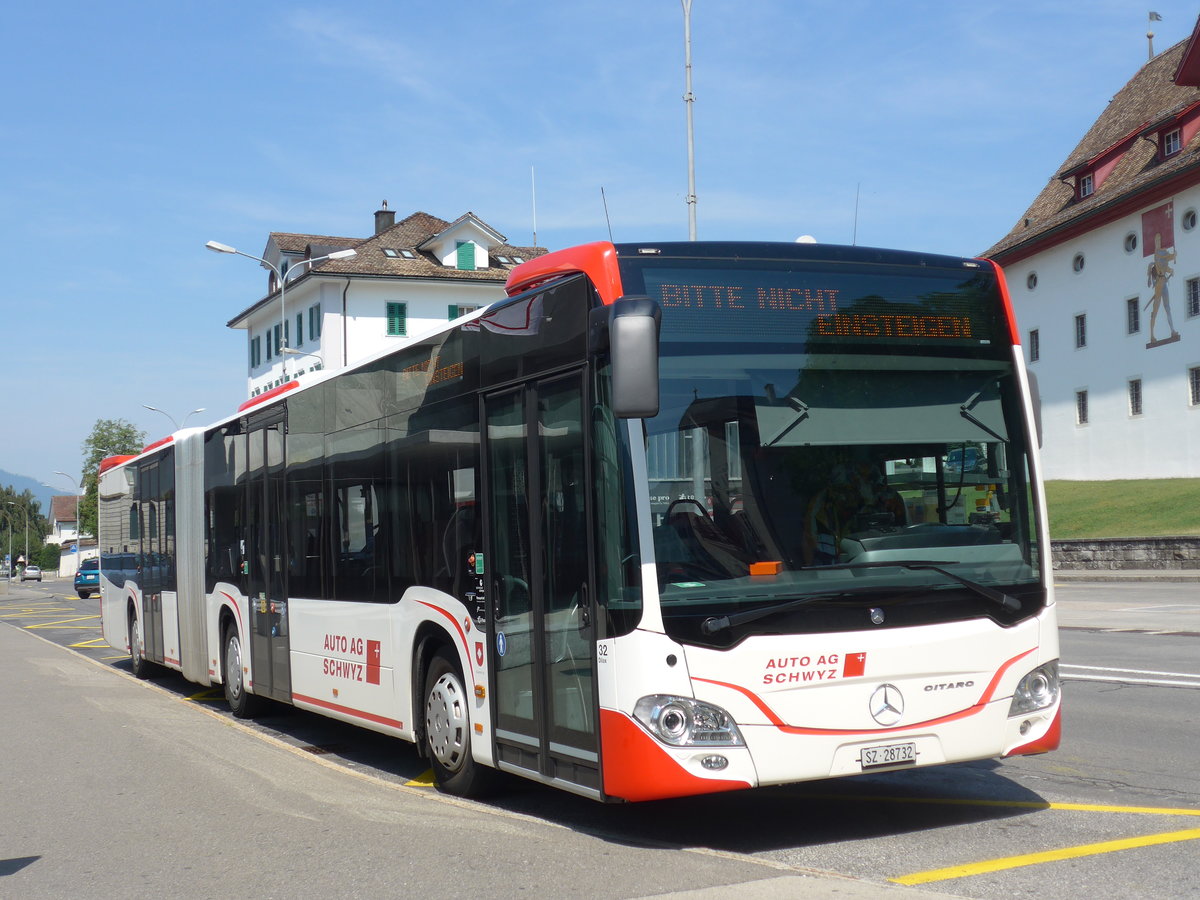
x,y
668,519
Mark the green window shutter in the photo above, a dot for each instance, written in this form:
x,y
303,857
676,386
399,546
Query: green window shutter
x,y
300,330
397,319
466,256
453,311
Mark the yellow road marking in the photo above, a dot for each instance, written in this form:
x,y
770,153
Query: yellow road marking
x,y
62,623
28,611
94,642
1032,859
1023,804
425,779
209,695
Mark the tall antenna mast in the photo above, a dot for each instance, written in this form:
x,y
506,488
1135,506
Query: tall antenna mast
x,y
607,220
533,191
854,234
689,98
1154,17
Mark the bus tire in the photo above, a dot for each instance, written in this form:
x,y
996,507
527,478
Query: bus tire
x,y
242,703
139,666
448,729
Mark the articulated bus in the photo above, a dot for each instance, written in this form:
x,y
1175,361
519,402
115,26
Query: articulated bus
x,y
666,519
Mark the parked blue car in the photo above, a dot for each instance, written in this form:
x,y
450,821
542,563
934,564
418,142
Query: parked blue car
x,y
87,579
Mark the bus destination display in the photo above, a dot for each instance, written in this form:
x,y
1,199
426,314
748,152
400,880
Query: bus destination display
x,y
822,307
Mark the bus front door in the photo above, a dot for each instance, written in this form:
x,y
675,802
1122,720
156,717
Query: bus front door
x,y
266,584
541,614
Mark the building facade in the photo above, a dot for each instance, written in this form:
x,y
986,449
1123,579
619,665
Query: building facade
x,y
1104,273
408,278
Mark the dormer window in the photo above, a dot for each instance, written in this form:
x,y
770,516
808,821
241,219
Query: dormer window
x,y
1087,185
465,256
1172,143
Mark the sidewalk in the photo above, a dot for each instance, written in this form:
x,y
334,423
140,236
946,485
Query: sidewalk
x,y
1117,576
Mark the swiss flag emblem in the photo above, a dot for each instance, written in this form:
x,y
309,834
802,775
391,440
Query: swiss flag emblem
x,y
855,665
373,655
479,653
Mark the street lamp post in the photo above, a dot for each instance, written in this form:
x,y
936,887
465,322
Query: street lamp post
x,y
78,551
178,425
337,254
8,520
689,100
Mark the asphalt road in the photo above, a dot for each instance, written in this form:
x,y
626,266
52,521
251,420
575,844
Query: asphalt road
x,y
106,767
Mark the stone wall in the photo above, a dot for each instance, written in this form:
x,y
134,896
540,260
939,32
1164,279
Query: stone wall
x,y
1128,553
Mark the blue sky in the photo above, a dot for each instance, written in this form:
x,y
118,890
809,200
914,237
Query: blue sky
x,y
134,132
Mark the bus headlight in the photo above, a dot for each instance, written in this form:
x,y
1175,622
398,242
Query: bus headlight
x,y
683,722
1037,690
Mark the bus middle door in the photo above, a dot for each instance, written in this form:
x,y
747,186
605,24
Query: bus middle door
x,y
266,552
543,640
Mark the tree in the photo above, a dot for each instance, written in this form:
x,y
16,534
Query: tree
x,y
109,437
21,521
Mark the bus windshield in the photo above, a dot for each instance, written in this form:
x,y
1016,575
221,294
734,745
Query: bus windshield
x,y
866,454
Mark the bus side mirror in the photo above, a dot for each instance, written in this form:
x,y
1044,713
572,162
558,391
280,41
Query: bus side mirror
x,y
633,347
1035,396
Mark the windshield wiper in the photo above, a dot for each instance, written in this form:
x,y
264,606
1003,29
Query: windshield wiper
x,y
802,408
713,624
970,404
998,597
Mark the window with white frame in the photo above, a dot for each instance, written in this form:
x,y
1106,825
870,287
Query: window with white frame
x,y
1081,407
1172,142
1135,396
1133,316
1081,331
397,319
1087,185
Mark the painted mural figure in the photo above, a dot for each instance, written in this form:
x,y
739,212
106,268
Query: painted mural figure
x,y
1158,273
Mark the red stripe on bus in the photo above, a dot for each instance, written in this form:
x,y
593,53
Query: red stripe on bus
x,y
596,260
347,710
636,767
268,395
774,719
462,635
159,443
1047,742
1006,300
110,462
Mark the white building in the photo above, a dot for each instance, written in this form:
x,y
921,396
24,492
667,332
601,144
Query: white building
x,y
407,278
1104,273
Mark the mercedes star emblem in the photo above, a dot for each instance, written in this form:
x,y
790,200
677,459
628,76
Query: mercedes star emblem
x,y
887,705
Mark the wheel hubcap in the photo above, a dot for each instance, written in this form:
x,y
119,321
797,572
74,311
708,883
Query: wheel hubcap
x,y
446,722
233,666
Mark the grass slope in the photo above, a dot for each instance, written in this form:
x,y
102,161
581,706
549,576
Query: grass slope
x,y
1110,509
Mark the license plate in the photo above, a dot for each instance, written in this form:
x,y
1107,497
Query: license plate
x,y
888,755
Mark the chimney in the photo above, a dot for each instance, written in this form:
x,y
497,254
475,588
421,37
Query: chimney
x,y
384,218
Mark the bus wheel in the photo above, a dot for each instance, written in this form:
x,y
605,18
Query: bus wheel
x,y
448,729
138,664
243,704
